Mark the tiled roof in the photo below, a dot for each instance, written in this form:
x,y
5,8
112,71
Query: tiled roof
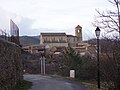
x,y
53,34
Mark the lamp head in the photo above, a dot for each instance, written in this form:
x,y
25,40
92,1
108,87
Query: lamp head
x,y
97,32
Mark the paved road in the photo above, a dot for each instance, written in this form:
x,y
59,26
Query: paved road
x,y
49,83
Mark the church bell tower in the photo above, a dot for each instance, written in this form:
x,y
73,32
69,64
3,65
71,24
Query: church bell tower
x,y
78,32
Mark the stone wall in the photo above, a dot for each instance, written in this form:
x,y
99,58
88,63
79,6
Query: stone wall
x,y
10,64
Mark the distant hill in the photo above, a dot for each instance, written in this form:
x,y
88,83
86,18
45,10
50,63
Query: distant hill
x,y
29,40
37,37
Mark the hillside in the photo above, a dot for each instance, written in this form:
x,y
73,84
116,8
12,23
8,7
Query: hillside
x,y
29,40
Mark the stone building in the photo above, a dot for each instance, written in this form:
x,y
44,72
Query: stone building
x,y
57,42
33,48
54,39
62,39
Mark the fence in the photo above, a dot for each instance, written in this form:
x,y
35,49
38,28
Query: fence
x,y
4,35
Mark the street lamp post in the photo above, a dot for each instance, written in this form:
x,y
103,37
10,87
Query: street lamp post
x,y
97,32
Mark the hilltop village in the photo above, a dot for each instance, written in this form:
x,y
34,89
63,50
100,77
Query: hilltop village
x,y
55,43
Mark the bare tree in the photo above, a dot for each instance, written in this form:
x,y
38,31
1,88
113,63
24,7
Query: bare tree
x,y
109,20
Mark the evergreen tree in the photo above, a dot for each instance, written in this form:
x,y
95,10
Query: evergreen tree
x,y
72,60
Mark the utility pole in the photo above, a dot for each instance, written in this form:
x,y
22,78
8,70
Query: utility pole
x,y
41,65
44,64
42,59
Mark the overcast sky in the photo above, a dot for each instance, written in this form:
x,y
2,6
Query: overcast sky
x,y
36,16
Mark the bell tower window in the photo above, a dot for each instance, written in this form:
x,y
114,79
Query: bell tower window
x,y
78,32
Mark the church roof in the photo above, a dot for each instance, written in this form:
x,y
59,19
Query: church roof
x,y
78,26
70,36
53,34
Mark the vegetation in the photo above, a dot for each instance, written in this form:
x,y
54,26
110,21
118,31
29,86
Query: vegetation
x,y
23,85
72,60
109,21
110,65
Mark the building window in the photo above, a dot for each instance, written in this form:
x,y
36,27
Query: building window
x,y
61,38
54,38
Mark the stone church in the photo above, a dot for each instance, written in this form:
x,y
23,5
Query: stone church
x,y
51,41
62,39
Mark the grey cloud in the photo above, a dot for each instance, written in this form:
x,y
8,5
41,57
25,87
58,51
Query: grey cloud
x,y
25,26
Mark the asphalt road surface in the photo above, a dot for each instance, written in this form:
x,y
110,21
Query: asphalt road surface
x,y
49,83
